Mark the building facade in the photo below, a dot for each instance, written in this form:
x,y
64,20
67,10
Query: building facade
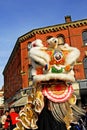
x,y
1,102
17,78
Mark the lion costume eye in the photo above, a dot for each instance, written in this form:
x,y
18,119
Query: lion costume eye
x,y
58,56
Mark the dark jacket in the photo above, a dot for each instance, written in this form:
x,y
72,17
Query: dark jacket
x,y
46,121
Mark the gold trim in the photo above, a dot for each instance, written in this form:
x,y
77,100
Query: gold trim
x,y
53,28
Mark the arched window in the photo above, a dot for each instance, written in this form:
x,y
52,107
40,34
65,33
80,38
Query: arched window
x,y
61,40
84,37
30,77
85,66
48,37
29,72
29,46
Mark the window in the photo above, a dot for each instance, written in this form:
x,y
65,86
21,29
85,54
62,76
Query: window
x,y
29,72
48,37
84,37
85,66
30,77
60,40
29,45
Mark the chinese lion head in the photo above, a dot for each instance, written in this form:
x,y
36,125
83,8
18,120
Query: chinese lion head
x,y
52,76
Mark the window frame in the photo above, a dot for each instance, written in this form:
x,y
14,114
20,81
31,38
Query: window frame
x,y
84,37
85,66
61,37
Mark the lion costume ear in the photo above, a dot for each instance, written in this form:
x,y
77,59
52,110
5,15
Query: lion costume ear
x,y
52,42
73,55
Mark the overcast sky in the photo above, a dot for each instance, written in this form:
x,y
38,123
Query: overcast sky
x,y
18,17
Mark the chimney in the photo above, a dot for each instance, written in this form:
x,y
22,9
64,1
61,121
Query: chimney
x,y
68,19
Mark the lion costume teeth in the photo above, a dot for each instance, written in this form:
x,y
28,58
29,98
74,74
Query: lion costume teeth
x,y
53,75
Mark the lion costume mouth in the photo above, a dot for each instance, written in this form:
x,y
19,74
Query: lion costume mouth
x,y
55,87
58,93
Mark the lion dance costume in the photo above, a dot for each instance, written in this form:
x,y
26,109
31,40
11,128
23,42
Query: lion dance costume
x,y
52,76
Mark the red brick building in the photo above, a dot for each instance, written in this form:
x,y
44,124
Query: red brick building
x,y
16,71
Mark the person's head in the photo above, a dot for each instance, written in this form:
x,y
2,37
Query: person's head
x,y
86,108
12,110
7,112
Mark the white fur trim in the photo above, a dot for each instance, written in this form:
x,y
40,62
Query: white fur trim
x,y
37,42
39,60
59,76
39,53
73,55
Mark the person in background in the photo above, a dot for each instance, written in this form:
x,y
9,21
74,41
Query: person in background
x,y
8,121
13,115
85,118
3,119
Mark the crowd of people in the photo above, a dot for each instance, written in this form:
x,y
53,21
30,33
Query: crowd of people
x,y
9,119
